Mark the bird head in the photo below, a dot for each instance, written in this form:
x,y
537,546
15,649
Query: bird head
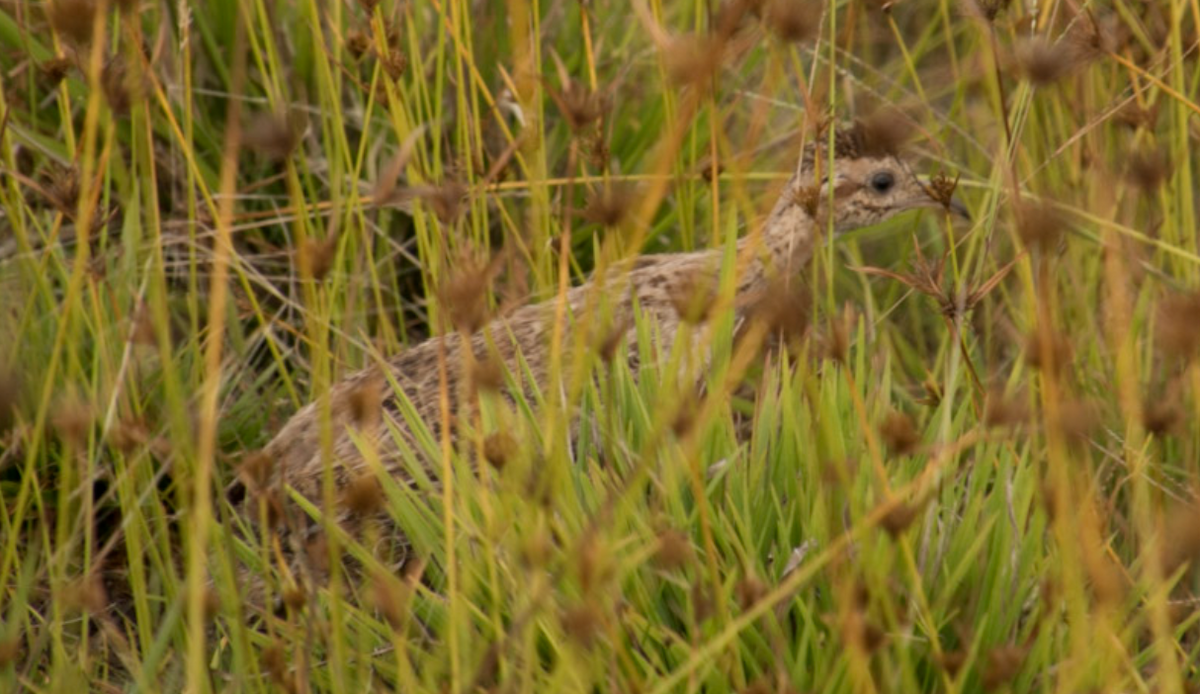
x,y
865,183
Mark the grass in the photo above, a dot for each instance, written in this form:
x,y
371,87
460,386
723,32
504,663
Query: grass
x,y
976,473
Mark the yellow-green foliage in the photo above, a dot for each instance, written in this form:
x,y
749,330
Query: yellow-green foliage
x,y
977,472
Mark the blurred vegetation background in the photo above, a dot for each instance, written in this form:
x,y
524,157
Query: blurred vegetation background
x,y
978,471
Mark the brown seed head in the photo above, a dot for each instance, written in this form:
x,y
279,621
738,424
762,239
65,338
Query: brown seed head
x,y
1077,419
115,83
321,255
1039,224
363,496
1148,169
55,70
294,596
793,21
673,550
749,591
86,594
1047,350
693,59
783,309
73,419
580,106
1180,542
129,435
1044,62
357,43
446,201
499,448
608,206
394,64
952,661
73,19
898,518
255,471
885,132
582,623
1003,411
1003,664
391,599
275,135
61,186
464,295
693,298
365,403
1178,325
900,434
487,375
1161,416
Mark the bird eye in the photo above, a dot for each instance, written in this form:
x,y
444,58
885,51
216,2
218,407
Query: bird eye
x,y
882,181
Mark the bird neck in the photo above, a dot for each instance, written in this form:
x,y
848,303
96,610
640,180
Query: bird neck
x,y
787,237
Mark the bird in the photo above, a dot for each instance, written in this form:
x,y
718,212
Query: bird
x,y
861,184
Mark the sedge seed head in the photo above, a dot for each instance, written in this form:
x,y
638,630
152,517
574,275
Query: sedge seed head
x,y
900,433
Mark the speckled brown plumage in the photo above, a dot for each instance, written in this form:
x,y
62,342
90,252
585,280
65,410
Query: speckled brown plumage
x,y
783,245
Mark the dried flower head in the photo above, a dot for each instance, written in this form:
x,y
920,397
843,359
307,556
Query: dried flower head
x,y
464,295
1161,416
116,85
793,21
86,594
321,254
364,403
749,591
357,43
672,550
73,19
1003,664
61,188
394,64
898,518
900,433
499,448
362,496
55,70
73,419
487,375
294,596
1180,536
1003,411
884,132
128,435
582,623
1039,224
783,309
1047,350
693,59
446,201
694,297
942,187
608,206
1044,62
580,106
1148,169
255,471
391,599
275,135
1178,325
